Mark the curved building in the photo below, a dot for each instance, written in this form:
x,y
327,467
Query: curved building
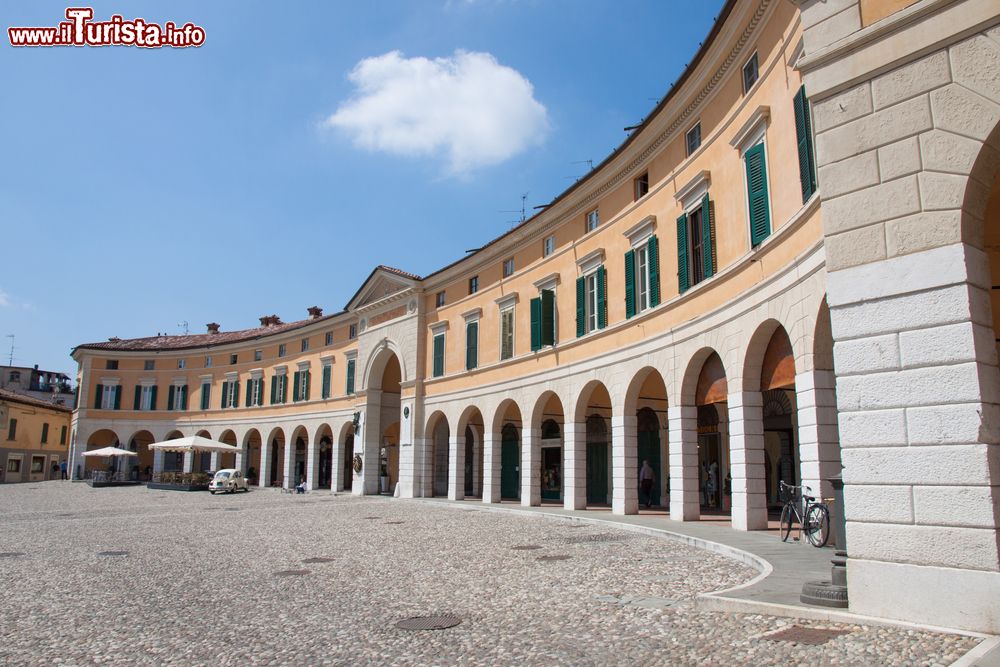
x,y
785,270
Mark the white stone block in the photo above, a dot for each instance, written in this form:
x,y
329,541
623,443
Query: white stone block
x,y
947,344
835,27
975,64
899,159
842,108
894,275
873,428
875,204
942,191
957,423
849,175
952,153
878,129
949,464
864,355
923,231
878,504
923,545
963,112
912,387
911,79
968,506
940,306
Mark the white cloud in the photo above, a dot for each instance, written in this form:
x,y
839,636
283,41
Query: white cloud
x,y
468,106
4,298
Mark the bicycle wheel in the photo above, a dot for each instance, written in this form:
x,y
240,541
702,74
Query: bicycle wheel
x,y
817,526
786,522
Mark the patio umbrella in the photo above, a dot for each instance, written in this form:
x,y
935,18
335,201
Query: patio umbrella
x,y
110,451
193,443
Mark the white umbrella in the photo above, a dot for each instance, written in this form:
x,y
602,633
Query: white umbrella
x,y
193,443
110,451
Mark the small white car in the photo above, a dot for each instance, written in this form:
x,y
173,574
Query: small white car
x,y
228,480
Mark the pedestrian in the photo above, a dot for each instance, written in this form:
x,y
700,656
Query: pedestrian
x,y
646,479
62,469
301,487
54,469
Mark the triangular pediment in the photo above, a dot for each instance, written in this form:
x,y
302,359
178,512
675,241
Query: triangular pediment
x,y
380,284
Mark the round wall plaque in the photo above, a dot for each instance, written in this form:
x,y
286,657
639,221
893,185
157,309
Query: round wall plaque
x,y
406,412
358,463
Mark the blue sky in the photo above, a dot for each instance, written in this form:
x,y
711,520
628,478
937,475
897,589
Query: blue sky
x,y
144,188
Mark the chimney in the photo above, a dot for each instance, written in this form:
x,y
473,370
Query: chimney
x,y
315,312
265,321
213,327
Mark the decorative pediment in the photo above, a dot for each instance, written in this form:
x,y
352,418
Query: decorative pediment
x,y
380,286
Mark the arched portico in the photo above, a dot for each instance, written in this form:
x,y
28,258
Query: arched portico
x,y
251,454
589,473
139,443
542,452
646,400
467,466
382,441
502,454
272,459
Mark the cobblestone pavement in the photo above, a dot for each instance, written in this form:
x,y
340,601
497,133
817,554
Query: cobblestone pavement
x,y
200,584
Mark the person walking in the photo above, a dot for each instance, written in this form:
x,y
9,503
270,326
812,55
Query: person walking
x,y
62,469
646,479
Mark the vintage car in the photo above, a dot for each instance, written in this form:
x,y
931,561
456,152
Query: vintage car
x,y
228,480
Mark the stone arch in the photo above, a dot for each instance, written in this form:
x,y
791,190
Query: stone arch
x,y
378,358
273,458
139,443
645,411
297,455
543,463
438,431
693,373
596,488
100,438
343,466
321,458
252,447
228,459
471,428
503,455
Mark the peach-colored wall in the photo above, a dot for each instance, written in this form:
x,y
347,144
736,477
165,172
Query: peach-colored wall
x,y
876,10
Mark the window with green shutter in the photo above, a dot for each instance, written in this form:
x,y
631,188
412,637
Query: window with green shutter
x,y
283,388
548,317
602,297
206,395
234,387
98,396
137,398
471,345
760,216
653,252
249,398
683,275
117,393
536,324
184,397
695,250
803,137
152,397
171,390
306,378
630,284
224,399
581,306
327,373
295,387
438,365
707,237
350,375
45,433
62,435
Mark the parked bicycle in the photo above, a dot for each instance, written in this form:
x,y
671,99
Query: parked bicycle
x,y
813,517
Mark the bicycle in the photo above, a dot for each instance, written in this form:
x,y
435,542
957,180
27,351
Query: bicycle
x,y
813,517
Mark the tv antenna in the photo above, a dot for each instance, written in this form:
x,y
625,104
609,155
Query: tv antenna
x,y
590,167
524,200
10,358
185,325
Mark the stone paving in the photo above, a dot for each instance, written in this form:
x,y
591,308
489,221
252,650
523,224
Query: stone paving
x,y
227,580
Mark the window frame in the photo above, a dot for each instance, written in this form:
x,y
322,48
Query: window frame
x,y
282,349
328,339
513,329
756,72
691,150
592,220
590,309
258,355
304,345
508,267
149,365
352,331
234,359
641,182
548,245
440,299
473,284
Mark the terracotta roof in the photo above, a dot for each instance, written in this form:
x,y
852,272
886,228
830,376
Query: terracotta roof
x,y
14,397
399,272
188,341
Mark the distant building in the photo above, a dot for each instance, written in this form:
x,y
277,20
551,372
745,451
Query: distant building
x,y
34,437
48,386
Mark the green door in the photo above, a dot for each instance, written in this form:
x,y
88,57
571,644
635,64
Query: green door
x,y
649,450
509,459
597,473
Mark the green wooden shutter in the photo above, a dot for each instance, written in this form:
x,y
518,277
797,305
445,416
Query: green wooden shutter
x,y
602,297
327,370
206,395
170,397
653,259
249,398
683,276
274,389
45,433
630,284
184,397
548,317
760,222
308,381
137,403
438,365
224,400
118,397
62,436
235,388
536,324
99,397
803,136
284,388
581,306
152,397
295,386
471,345
707,237
350,376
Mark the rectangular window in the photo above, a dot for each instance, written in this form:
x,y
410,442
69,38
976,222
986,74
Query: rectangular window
x,y
642,277
350,375
37,464
146,397
279,389
177,397
473,284
328,341
693,138
543,320
507,333
111,364
149,365
282,350
591,301
300,386
641,186
695,246
508,267
438,366
439,299
593,220
305,345
45,433
12,429
181,363
14,465
471,345
208,362
233,359
548,246
257,391
750,73
109,397
327,376
352,332
62,435
258,355
230,394
206,395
